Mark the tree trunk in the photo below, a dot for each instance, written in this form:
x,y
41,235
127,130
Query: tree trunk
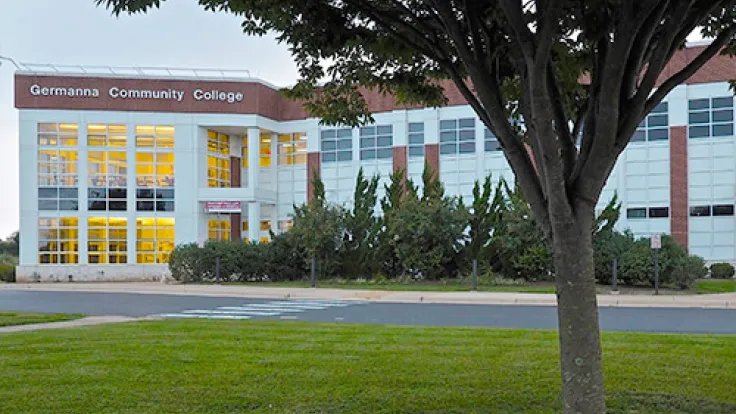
x,y
577,311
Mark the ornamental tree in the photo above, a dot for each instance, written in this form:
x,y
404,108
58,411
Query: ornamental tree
x,y
510,59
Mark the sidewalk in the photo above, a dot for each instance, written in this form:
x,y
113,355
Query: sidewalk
x,y
88,321
722,300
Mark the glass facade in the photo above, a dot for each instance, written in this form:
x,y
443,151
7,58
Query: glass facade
x,y
107,167
292,149
58,167
218,228
710,117
655,126
154,168
58,240
416,140
154,239
490,141
336,144
376,142
218,159
107,240
457,136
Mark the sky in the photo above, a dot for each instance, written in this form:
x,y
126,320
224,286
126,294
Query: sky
x,y
76,32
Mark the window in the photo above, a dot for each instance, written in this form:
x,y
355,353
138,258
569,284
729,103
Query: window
x,y
292,149
710,117
655,126
58,167
490,141
101,135
149,136
107,169
218,159
218,227
699,211
265,150
416,139
457,136
376,142
659,212
107,199
154,170
155,239
285,225
58,240
107,240
636,213
58,135
723,210
336,144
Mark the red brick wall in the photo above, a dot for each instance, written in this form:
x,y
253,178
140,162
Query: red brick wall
x,y
432,157
235,172
678,185
399,154
313,167
235,233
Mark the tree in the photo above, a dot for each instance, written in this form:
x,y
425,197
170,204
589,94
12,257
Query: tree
x,y
361,228
510,60
484,218
396,193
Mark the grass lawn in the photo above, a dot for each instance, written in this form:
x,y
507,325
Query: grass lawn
x,y
715,286
25,318
448,286
294,367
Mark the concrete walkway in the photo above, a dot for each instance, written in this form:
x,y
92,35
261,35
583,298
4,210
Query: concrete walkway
x,y
722,301
88,321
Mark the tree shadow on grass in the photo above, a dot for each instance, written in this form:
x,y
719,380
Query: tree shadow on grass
x,y
645,403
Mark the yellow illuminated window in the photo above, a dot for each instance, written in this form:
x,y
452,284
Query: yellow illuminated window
x,y
107,240
285,225
107,169
265,150
218,159
265,225
218,228
54,134
292,149
154,239
103,135
58,168
149,136
244,152
58,240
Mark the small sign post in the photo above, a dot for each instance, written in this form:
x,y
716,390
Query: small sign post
x,y
656,245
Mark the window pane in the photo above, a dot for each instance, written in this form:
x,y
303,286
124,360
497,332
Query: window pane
x,y
416,152
448,148
723,210
144,205
344,155
467,147
345,133
416,139
327,134
699,104
661,108
384,141
48,205
699,211
448,124
329,145
68,193
722,130
466,123
698,131
659,212
725,102
492,145
118,205
384,153
68,205
723,115
448,136
164,206
329,157
634,213
659,134
367,142
699,117
467,135
367,154
416,127
639,135
367,131
47,192
345,144
657,120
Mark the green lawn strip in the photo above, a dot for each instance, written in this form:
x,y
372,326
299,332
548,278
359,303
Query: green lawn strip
x,y
420,287
25,318
284,367
715,286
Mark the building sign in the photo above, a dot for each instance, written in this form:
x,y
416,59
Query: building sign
x,y
116,92
222,206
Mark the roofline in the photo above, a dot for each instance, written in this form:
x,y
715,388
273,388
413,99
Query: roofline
x,y
152,73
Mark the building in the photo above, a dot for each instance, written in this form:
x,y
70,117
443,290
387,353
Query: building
x,y
118,166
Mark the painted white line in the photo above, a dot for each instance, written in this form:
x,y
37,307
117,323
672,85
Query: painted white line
x,y
227,312
284,306
289,317
311,304
199,316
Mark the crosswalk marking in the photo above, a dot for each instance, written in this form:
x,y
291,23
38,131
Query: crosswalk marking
x,y
268,309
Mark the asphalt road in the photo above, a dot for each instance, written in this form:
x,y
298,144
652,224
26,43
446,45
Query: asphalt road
x,y
721,321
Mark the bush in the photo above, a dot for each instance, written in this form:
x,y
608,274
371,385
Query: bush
x,y
686,270
7,273
636,267
608,245
721,271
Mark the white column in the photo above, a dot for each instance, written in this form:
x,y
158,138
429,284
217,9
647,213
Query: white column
x,y
254,149
254,218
